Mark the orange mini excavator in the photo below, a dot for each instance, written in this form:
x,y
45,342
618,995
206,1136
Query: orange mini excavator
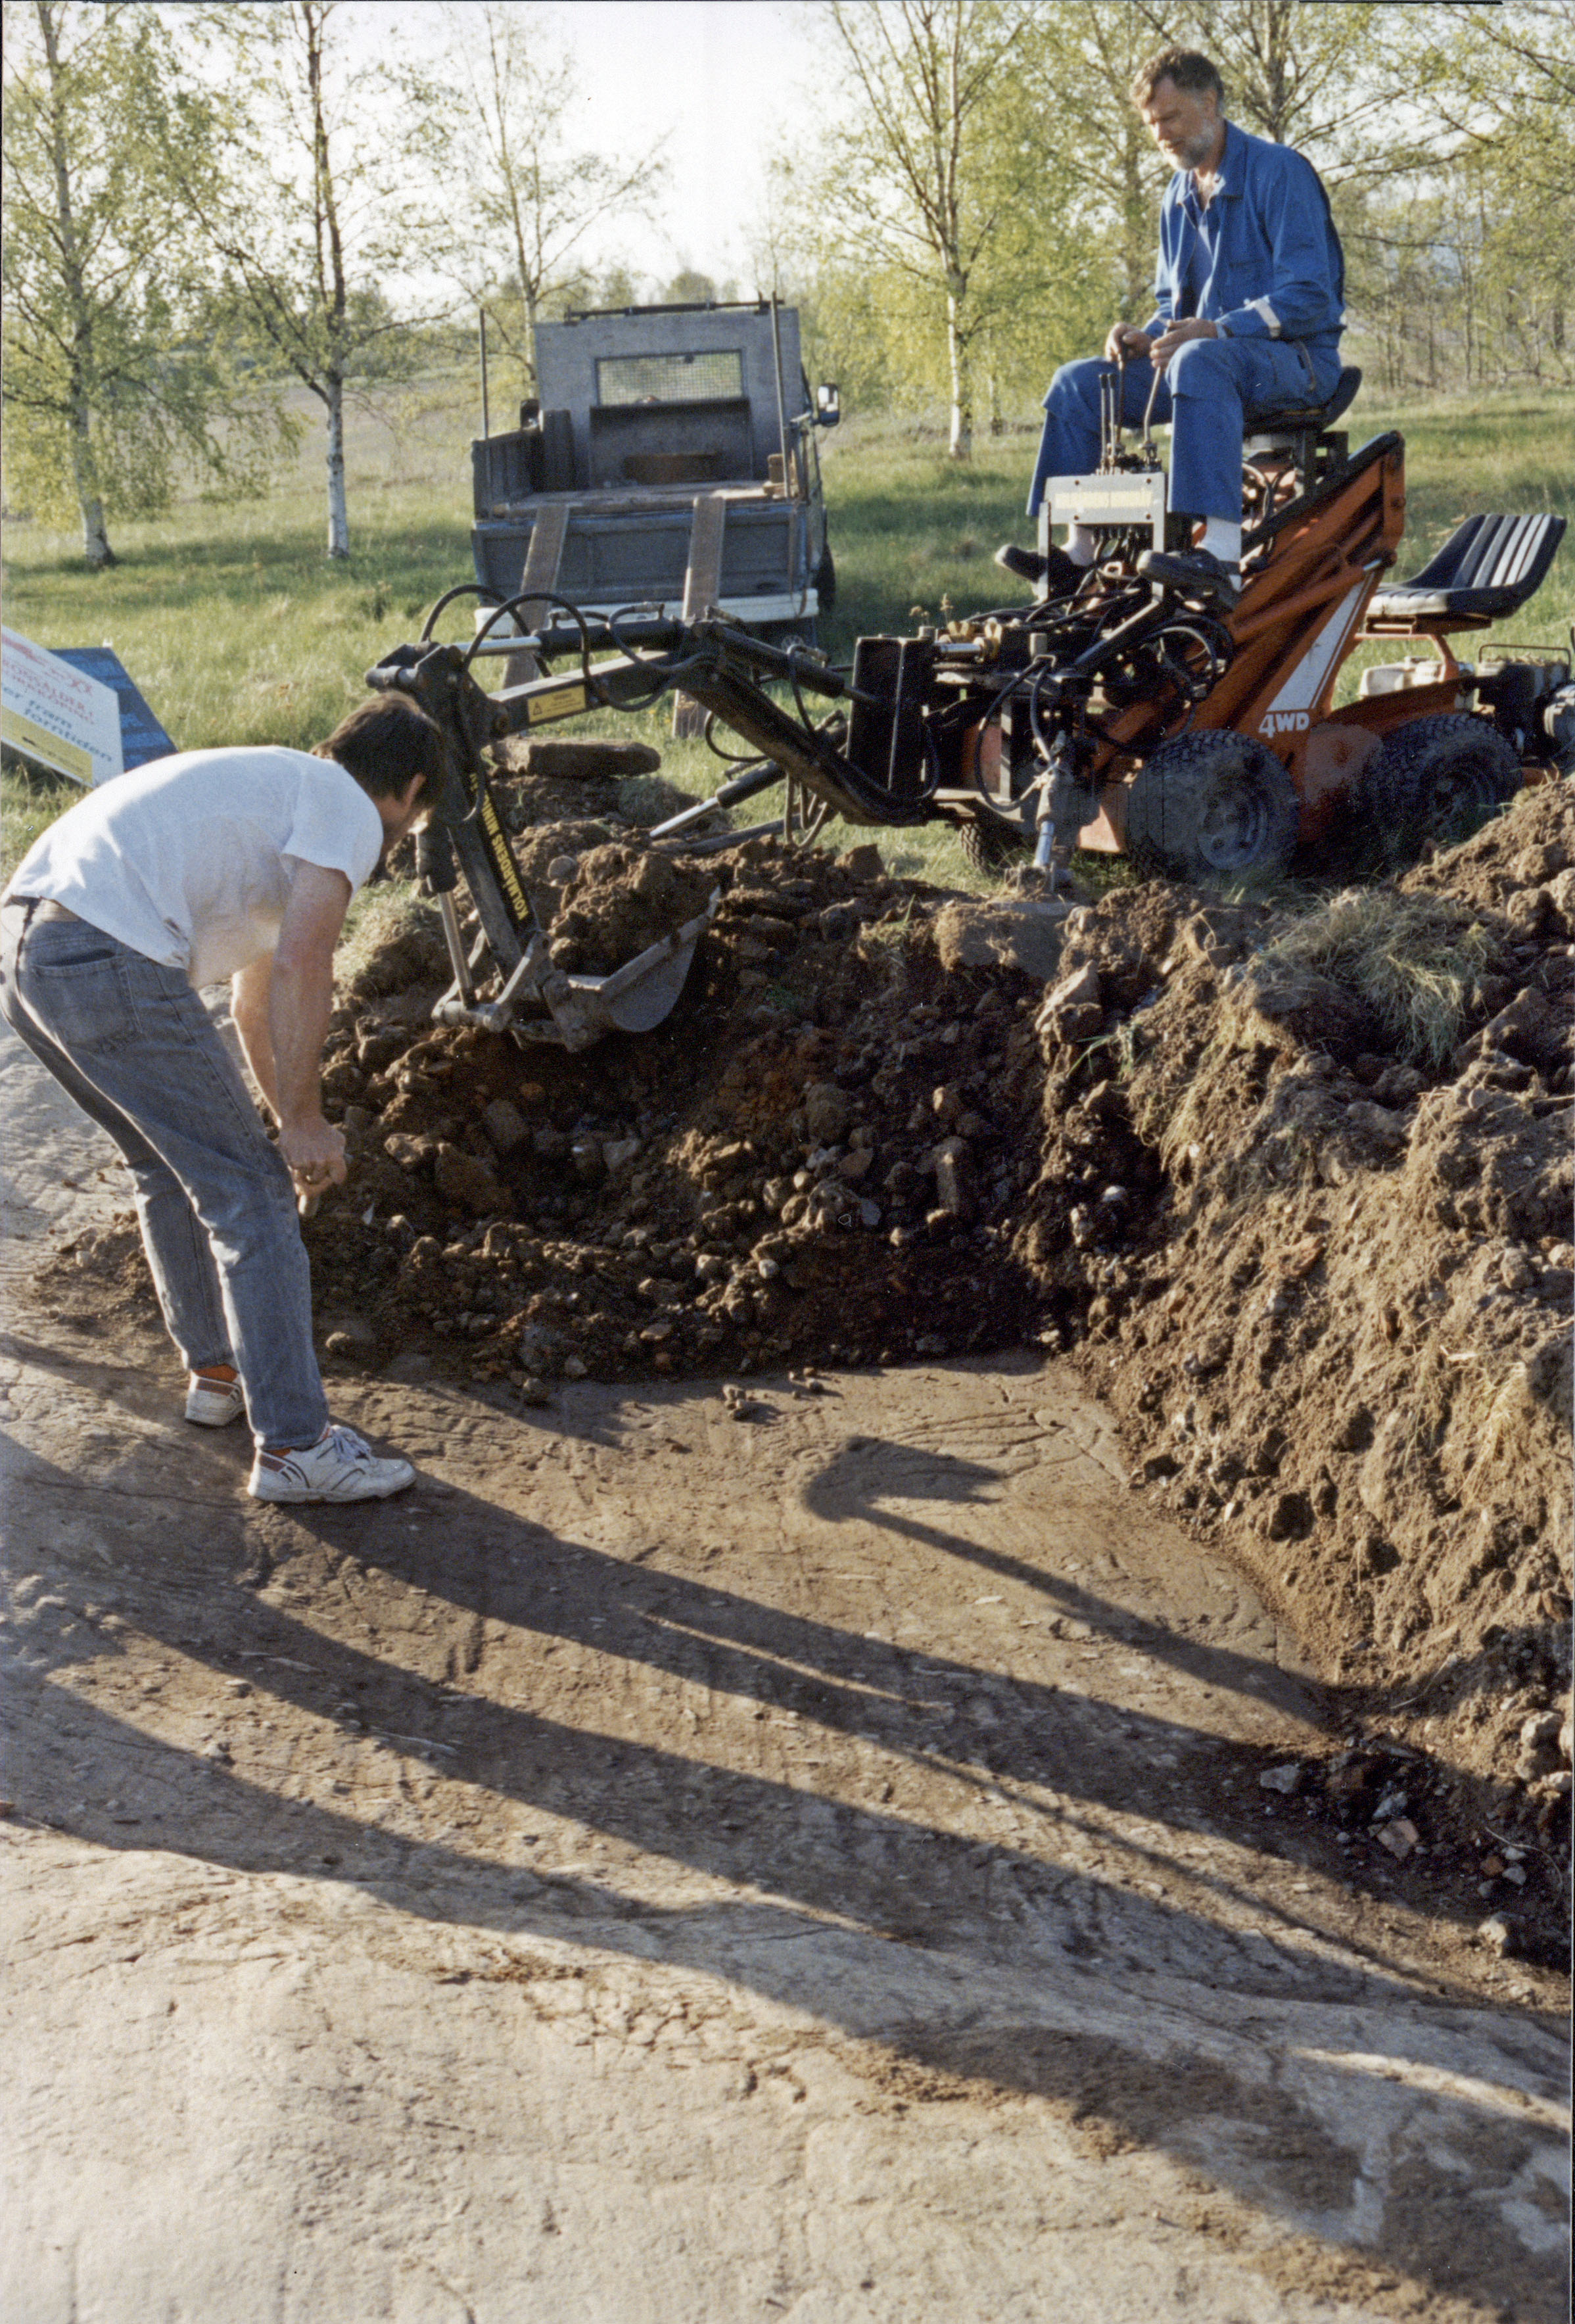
x,y
1196,736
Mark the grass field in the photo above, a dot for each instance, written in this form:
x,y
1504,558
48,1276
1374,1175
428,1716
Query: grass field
x,y
238,629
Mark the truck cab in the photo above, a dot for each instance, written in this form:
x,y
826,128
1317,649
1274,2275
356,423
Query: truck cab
x,y
671,462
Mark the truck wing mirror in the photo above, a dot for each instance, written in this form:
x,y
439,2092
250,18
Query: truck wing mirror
x,y
828,404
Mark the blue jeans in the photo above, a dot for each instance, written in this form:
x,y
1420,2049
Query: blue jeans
x,y
131,1044
1210,387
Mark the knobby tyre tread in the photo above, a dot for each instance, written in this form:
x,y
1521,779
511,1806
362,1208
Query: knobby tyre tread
x,y
1439,778
1211,807
987,847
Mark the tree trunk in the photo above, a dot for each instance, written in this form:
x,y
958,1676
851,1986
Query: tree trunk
x,y
338,514
532,376
85,479
961,447
1137,231
96,546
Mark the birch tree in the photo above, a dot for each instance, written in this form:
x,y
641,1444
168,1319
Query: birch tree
x,y
931,85
498,113
1500,82
114,373
1077,66
312,215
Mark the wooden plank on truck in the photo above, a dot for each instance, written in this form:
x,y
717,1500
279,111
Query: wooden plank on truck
x,y
542,559
702,588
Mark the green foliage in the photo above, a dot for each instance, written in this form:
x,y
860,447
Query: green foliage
x,y
118,370
923,181
496,113
1102,175
306,215
1446,136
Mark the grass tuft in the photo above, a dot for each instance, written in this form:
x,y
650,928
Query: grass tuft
x,y
1416,962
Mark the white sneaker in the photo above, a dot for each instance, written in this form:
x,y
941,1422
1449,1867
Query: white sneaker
x,y
214,1404
339,1467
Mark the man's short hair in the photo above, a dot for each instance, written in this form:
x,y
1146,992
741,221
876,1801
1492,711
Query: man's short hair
x,y
384,742
1191,72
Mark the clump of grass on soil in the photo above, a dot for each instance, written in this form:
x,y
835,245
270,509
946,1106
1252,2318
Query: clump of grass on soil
x,y
1416,962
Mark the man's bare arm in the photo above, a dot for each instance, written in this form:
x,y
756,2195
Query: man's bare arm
x,y
249,991
300,1000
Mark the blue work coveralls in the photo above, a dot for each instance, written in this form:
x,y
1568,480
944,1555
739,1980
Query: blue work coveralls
x,y
1264,262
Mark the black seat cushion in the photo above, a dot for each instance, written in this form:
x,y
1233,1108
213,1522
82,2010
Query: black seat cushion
x,y
1490,566
1310,415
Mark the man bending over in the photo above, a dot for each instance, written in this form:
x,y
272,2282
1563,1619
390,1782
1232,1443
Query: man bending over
x,y
236,863
1248,316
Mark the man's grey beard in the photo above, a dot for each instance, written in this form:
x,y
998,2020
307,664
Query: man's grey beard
x,y
1197,150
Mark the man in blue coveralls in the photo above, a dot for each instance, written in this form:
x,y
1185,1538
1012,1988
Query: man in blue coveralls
x,y
1248,316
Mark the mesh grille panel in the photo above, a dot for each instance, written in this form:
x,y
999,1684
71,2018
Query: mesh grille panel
x,y
669,379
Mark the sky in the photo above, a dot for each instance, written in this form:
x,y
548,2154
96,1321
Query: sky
x,y
722,80
725,78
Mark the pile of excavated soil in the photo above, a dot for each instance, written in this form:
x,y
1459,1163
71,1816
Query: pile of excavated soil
x,y
815,1157
819,1156
1307,1194
1296,1187
614,784
575,793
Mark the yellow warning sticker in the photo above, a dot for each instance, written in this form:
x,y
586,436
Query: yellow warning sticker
x,y
38,742
563,702
503,862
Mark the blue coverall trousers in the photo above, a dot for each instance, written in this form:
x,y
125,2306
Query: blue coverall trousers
x,y
1210,387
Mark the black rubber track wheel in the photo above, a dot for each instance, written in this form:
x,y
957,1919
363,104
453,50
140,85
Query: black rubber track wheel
x,y
1211,807
1437,779
825,580
987,846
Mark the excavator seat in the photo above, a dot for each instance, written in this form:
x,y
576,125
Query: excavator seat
x,y
1301,432
1486,570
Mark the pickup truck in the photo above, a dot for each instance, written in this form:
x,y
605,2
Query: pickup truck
x,y
670,462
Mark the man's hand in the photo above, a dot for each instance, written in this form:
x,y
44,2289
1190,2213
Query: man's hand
x,y
314,1150
1126,343
1177,335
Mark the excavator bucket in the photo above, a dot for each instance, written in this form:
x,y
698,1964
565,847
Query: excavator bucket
x,y
634,999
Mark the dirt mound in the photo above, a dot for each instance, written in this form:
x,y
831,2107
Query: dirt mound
x,y
1295,1185
558,796
817,1158
1308,1197
617,900
618,784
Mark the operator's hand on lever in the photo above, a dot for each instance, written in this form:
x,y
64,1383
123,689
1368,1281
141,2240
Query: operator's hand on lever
x,y
1175,335
1126,343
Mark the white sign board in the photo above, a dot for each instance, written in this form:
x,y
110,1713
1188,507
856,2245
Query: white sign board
x,y
57,716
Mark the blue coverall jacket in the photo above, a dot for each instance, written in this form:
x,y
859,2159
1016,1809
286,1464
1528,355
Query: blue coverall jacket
x,y
1263,263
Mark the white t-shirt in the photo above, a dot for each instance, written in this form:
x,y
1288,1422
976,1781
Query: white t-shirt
x,y
190,859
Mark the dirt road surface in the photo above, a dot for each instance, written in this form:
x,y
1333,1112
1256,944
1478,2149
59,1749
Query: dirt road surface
x,y
681,1866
